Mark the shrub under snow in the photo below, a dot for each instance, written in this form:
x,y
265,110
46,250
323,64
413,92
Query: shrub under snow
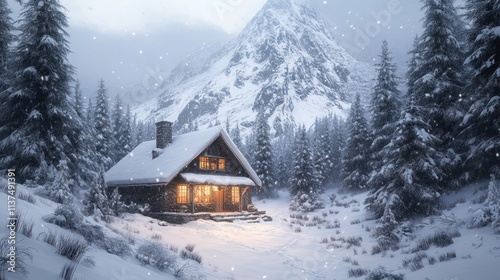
x,y
490,212
305,202
155,254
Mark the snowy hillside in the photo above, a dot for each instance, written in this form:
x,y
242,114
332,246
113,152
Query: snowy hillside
x,y
332,243
285,64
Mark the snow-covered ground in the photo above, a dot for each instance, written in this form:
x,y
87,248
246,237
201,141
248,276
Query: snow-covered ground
x,y
279,249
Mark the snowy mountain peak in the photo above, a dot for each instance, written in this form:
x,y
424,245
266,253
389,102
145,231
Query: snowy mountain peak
x,y
285,64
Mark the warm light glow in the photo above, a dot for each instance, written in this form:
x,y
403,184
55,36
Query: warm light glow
x,y
182,194
235,194
222,164
212,163
204,163
202,194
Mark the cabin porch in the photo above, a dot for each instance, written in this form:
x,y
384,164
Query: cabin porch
x,y
182,218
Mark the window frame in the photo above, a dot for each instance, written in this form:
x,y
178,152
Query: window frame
x,y
212,163
235,194
182,190
202,194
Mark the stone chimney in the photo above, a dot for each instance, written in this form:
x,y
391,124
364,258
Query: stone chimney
x,y
163,134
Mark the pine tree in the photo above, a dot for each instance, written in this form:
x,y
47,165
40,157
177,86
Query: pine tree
x,y
139,134
283,151
413,63
490,211
263,159
322,154
303,184
481,123
103,130
96,201
121,131
493,204
60,190
37,130
411,174
337,144
90,117
127,132
440,79
384,107
236,136
116,204
83,156
78,103
385,230
6,28
278,127
355,159
228,125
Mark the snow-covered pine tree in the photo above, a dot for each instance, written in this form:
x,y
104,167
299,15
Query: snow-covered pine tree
x,y
139,133
103,129
411,73
490,211
355,159
127,131
386,237
494,204
37,129
384,107
228,125
283,151
83,156
303,184
321,153
411,173
440,79
149,130
89,115
278,127
481,123
78,103
263,159
236,137
116,204
121,130
116,126
6,28
96,200
338,136
60,189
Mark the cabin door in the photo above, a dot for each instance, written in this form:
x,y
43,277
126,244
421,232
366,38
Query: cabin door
x,y
219,200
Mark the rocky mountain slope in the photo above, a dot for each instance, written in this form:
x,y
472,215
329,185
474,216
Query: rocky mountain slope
x,y
285,64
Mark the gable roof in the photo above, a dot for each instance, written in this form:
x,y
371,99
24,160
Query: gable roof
x,y
139,167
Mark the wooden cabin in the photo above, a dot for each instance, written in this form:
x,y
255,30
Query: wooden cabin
x,y
201,171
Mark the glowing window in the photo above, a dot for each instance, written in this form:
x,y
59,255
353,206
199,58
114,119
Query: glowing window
x,y
204,163
235,194
202,194
212,163
182,194
222,164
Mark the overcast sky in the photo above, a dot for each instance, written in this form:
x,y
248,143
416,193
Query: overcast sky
x,y
125,41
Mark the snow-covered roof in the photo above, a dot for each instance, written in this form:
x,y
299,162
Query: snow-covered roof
x,y
139,167
217,179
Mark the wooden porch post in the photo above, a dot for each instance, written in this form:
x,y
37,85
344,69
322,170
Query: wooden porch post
x,y
242,193
191,188
239,193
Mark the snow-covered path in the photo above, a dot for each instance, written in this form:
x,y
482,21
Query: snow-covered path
x,y
265,250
